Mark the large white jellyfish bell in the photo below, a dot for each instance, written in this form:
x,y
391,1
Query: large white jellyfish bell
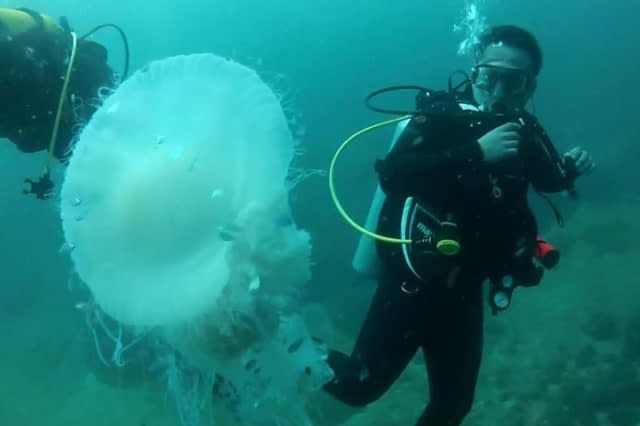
x,y
175,202
181,150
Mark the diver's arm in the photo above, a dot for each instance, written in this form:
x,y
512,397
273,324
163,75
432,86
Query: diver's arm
x,y
412,165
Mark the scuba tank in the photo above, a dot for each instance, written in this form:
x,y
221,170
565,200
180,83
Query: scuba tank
x,y
18,21
365,259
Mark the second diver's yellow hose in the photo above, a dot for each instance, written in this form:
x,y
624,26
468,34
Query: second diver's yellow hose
x,y
61,101
332,187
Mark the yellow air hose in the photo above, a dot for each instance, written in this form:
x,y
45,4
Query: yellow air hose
x,y
332,186
61,101
448,246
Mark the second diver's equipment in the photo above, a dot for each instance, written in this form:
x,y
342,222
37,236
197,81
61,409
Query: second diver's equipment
x,y
527,273
431,238
365,260
546,253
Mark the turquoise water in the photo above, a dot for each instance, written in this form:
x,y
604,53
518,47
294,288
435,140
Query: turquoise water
x,y
566,353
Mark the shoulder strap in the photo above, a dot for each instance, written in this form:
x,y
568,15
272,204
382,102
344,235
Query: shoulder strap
x,y
37,18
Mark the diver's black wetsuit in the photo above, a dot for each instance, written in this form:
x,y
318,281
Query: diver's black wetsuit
x,y
32,69
440,161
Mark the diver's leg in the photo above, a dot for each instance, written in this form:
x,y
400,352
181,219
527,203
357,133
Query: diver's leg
x,y
453,351
387,342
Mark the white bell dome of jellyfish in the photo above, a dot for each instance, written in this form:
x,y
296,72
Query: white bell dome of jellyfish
x,y
180,149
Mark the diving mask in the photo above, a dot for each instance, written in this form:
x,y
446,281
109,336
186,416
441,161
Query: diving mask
x,y
513,81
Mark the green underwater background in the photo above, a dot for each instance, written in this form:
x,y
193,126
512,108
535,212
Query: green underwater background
x,y
565,353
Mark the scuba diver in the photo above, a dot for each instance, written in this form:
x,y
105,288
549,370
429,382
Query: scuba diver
x,y
50,83
455,185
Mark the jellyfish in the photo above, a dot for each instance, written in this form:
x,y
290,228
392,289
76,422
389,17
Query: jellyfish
x,y
175,201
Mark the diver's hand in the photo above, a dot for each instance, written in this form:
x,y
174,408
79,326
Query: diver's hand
x,y
500,143
581,160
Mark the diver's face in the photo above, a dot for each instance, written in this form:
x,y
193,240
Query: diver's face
x,y
503,78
